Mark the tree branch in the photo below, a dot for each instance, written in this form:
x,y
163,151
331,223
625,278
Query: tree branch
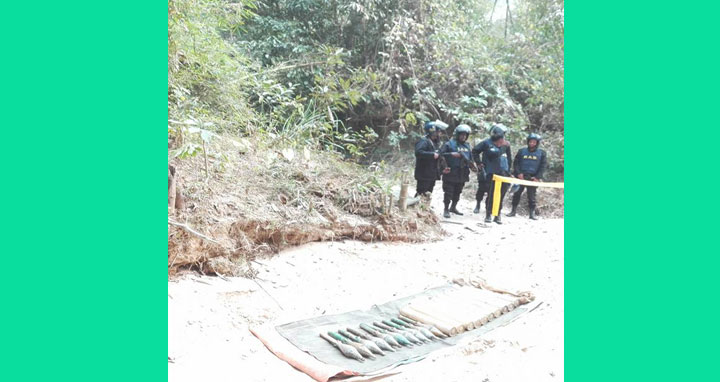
x,y
192,231
279,68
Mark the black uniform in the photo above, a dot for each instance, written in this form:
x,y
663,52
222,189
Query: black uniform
x,y
483,184
530,164
454,181
426,166
495,160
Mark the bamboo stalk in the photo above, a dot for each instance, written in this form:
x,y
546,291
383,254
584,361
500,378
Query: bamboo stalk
x,y
414,314
455,307
402,200
206,162
487,294
505,303
483,312
427,308
489,309
455,312
172,185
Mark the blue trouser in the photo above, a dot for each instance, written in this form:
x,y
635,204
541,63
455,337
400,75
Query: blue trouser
x,y
423,186
452,192
491,196
531,192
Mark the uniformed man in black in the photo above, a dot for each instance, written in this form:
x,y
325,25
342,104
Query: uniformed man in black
x,y
458,162
496,159
427,156
483,187
529,164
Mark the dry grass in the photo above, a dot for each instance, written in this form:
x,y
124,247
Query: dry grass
x,y
260,198
550,201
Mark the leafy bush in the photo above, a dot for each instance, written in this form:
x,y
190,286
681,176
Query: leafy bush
x,y
354,75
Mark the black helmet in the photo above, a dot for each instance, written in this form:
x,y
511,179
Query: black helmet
x,y
429,127
534,136
436,125
462,129
498,131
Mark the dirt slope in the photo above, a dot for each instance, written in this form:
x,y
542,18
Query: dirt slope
x,y
208,317
259,197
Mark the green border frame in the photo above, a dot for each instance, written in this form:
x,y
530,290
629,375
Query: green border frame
x,y
84,155
83,158
641,105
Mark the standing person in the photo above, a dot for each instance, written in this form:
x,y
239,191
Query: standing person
x,y
427,156
530,164
496,159
457,154
483,186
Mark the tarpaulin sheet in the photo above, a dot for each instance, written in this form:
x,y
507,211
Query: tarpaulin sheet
x,y
297,358
305,335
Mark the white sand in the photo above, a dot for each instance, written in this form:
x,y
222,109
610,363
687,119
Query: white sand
x,y
208,317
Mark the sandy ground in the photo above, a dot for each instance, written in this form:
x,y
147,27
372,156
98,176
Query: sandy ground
x,y
208,317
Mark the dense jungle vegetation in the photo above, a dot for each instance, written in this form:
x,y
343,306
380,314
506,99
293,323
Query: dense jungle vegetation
x,y
361,76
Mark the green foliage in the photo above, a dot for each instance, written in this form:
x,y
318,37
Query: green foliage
x,y
203,66
353,142
442,59
326,73
394,139
211,79
190,138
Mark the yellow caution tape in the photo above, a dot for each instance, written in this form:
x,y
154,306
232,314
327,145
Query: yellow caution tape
x,y
499,180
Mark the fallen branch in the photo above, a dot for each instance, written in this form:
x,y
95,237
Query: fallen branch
x,y
206,162
196,233
201,282
537,306
267,293
192,231
280,68
482,284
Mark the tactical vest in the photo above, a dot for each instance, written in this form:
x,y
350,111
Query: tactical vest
x,y
430,141
426,167
463,149
529,161
495,160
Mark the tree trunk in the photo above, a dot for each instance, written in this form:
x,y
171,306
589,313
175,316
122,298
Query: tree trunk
x,y
172,188
179,200
402,200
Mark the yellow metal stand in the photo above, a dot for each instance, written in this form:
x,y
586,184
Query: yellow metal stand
x,y
499,180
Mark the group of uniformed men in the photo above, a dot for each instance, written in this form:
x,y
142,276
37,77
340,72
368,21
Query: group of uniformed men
x,y
453,161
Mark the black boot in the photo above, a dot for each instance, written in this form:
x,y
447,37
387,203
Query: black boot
x,y
446,213
498,220
513,212
532,214
488,218
477,208
454,210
